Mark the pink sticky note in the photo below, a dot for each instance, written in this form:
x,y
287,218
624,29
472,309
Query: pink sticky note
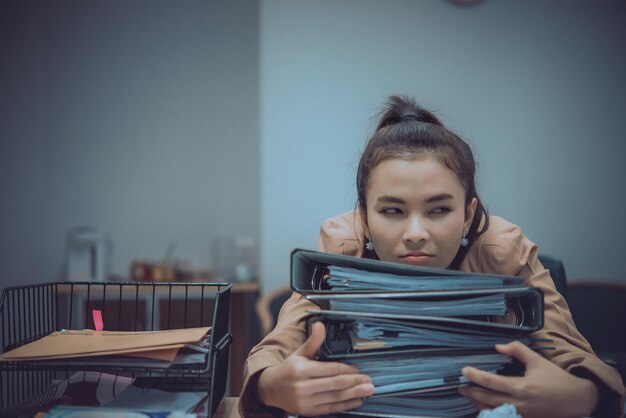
x,y
97,319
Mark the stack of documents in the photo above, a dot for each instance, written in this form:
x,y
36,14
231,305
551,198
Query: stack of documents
x,y
413,329
149,349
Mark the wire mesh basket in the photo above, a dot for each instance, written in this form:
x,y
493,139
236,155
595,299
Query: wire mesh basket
x,y
28,313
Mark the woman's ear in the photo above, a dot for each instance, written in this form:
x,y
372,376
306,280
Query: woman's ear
x,y
470,211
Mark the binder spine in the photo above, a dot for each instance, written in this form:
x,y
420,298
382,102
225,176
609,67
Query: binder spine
x,y
414,338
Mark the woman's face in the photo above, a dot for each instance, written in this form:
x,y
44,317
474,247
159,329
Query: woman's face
x,y
416,212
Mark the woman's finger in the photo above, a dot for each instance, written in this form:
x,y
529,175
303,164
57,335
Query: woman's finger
x,y
310,368
505,384
331,408
519,351
336,383
485,397
337,396
312,345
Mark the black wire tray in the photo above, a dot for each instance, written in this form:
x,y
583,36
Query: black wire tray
x,y
28,313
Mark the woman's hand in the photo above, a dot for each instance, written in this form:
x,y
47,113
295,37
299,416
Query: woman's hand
x,y
545,390
302,386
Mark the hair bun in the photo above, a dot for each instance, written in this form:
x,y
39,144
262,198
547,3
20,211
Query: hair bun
x,y
412,116
401,108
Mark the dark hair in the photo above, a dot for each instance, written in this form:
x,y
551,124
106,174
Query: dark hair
x,y
406,130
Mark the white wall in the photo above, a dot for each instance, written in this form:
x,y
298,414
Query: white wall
x,y
537,87
137,116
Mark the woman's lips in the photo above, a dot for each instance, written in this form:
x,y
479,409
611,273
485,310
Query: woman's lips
x,y
416,258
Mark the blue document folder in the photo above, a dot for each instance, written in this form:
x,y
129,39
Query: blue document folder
x,y
318,272
413,329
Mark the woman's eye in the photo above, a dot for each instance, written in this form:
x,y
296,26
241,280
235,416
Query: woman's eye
x,y
390,211
440,210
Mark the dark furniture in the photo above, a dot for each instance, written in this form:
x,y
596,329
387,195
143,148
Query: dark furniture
x,y
268,307
557,272
599,308
596,306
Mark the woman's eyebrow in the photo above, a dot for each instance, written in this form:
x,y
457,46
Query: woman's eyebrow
x,y
439,197
390,199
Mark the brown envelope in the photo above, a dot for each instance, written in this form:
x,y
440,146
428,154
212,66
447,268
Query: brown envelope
x,y
86,343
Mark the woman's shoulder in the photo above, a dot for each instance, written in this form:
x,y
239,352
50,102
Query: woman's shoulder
x,y
501,249
500,231
341,234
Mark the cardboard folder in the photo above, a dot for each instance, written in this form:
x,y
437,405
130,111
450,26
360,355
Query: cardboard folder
x,y
86,343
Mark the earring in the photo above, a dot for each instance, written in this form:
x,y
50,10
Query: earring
x,y
369,245
464,240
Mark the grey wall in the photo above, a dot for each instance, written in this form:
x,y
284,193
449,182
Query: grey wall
x,y
137,116
537,87
154,119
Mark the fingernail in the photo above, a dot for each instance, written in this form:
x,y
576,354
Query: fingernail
x,y
369,389
464,371
365,379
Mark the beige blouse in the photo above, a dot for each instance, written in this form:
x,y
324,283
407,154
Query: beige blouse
x,y
502,249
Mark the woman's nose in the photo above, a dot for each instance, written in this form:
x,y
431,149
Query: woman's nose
x,y
415,230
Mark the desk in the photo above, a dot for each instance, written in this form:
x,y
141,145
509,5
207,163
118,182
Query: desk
x,y
245,327
227,408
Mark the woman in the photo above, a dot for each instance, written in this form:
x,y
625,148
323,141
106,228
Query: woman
x,y
417,204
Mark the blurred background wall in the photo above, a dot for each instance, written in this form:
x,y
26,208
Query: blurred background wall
x,y
185,121
538,88
140,117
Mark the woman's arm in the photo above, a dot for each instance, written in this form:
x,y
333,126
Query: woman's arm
x,y
545,390
504,249
283,360
301,386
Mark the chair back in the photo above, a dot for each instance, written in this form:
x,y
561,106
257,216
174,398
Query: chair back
x,y
557,272
599,309
268,307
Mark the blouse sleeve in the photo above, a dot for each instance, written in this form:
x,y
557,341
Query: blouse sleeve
x,y
337,235
515,254
284,339
572,351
